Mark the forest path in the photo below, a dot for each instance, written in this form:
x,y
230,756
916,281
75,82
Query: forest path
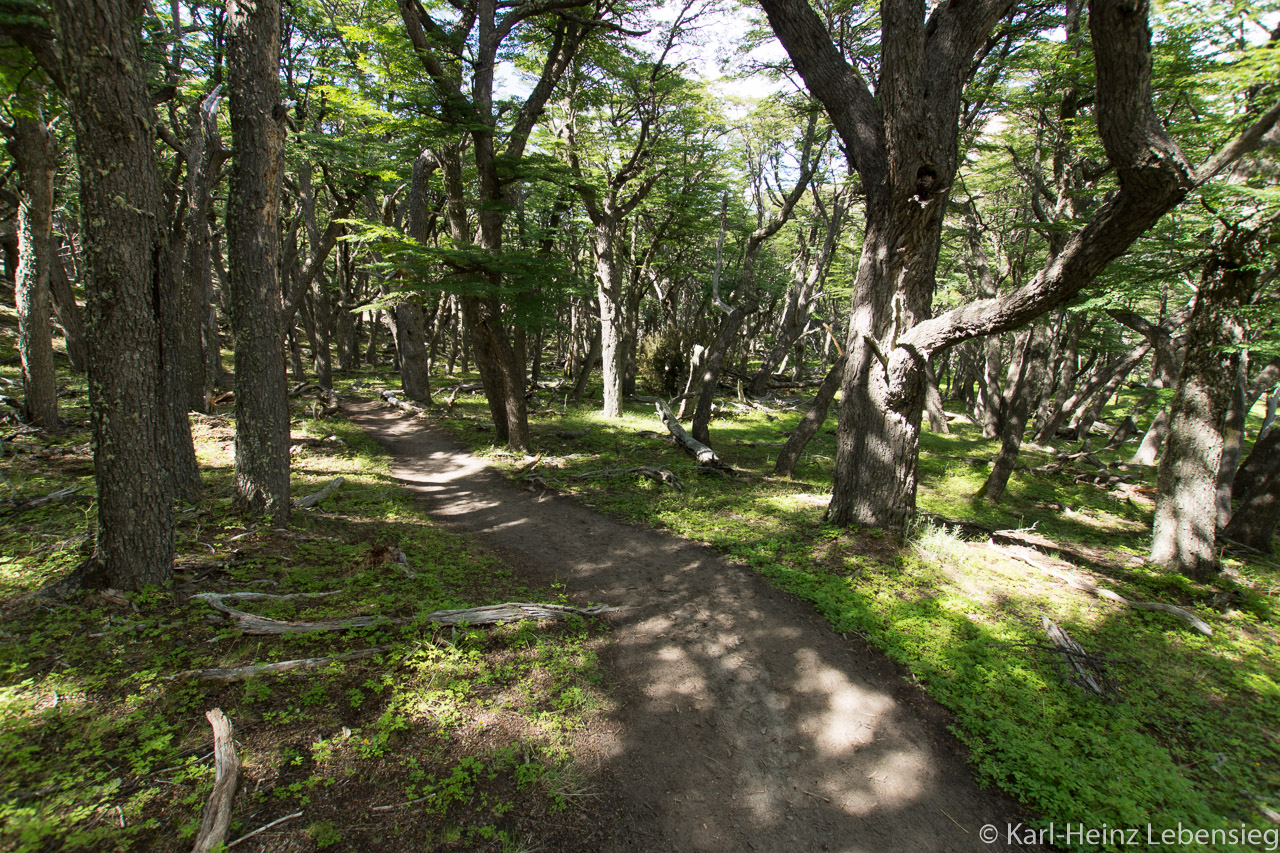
x,y
744,722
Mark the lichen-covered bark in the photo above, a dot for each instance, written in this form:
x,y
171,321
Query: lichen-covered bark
x,y
123,251
32,151
1184,529
253,243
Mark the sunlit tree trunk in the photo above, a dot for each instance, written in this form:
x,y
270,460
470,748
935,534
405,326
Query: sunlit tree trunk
x,y
253,241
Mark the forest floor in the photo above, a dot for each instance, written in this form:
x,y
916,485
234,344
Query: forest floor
x,y
741,721
773,683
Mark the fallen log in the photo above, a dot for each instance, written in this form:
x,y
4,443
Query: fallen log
x,y
1087,585
315,498
659,475
22,506
403,405
228,675
251,623
1082,670
705,455
216,819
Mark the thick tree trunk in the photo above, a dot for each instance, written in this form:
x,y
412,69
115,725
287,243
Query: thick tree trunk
x,y
124,268
411,343
198,328
1232,443
32,148
411,325
810,423
253,241
1186,515
883,392
1257,466
1254,522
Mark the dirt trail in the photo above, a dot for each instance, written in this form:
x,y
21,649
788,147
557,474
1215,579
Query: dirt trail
x,y
745,723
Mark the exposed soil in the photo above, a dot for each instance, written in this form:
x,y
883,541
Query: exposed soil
x,y
744,722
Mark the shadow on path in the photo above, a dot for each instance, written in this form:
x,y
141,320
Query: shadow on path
x,y
744,722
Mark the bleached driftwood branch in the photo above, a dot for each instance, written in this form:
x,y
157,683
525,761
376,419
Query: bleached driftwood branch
x,y
1086,585
227,675
1077,659
705,455
316,497
251,623
216,819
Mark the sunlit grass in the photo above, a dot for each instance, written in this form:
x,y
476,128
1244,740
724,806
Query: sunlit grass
x,y
1191,734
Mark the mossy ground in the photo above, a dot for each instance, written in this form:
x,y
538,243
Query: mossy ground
x,y
103,740
1192,734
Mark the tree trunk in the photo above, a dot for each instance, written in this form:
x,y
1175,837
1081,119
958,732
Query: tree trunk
x,y
32,148
1186,516
67,310
613,321
1232,442
198,327
1149,450
810,423
253,242
882,395
1024,392
125,270
1257,466
1254,522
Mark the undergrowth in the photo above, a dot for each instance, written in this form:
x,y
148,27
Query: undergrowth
x,y
449,739
1191,733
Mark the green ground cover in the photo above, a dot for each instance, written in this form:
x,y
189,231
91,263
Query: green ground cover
x,y
103,740
1189,735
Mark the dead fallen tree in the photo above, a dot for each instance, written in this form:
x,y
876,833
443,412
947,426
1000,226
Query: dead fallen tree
x,y
1086,585
1021,544
251,623
228,675
23,505
393,399
1082,669
216,819
659,475
316,497
705,455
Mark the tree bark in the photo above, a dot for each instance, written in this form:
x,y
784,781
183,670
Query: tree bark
x,y
1185,524
67,310
32,148
125,272
253,242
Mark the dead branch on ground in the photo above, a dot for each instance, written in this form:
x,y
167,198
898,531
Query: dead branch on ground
x,y
316,497
217,813
228,675
251,623
658,475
